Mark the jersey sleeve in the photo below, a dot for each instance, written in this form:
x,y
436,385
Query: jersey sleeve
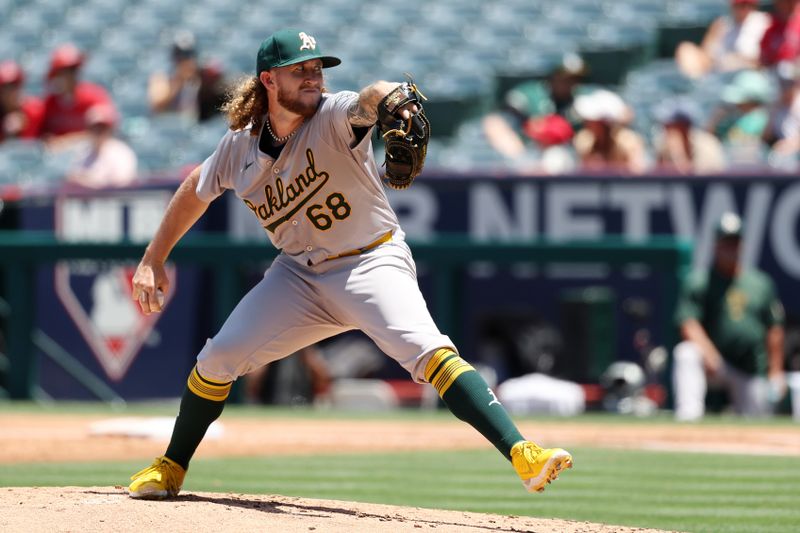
x,y
216,174
337,130
690,300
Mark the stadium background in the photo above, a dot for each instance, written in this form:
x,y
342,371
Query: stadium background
x,y
465,55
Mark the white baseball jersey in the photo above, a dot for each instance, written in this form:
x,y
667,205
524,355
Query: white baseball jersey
x,y
321,198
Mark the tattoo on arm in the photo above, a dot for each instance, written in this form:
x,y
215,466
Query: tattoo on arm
x,y
364,111
360,114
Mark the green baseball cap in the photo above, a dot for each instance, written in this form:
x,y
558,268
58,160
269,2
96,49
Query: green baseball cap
x,y
290,46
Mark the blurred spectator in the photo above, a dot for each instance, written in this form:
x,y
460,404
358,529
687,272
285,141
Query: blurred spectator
x,y
68,98
189,90
101,159
743,115
552,134
20,115
509,130
564,84
556,94
781,41
681,146
731,42
605,143
731,321
783,127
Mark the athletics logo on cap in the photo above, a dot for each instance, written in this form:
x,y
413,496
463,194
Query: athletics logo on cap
x,y
309,43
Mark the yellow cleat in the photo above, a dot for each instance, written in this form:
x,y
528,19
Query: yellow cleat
x,y
537,466
162,479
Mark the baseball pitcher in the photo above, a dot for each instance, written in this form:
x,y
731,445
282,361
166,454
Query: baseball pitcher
x,y
301,160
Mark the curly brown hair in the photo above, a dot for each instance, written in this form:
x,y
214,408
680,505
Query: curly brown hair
x,y
246,103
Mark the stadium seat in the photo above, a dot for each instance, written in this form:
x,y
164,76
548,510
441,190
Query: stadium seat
x,y
552,39
51,14
422,38
325,15
9,47
646,12
443,12
101,70
512,12
171,126
277,10
694,11
21,161
207,135
130,95
140,29
224,12
346,76
54,167
93,17
25,29
152,155
569,14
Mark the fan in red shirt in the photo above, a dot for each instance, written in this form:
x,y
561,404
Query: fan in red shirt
x,y
20,115
781,41
68,97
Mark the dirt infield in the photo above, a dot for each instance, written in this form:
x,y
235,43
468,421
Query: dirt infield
x,y
40,437
27,437
98,509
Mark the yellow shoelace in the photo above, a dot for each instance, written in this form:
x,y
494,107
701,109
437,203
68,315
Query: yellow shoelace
x,y
157,465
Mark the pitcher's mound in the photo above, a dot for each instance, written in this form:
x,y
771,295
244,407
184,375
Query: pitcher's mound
x,y
89,509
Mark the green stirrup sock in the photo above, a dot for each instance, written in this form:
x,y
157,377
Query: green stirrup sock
x,y
201,404
470,399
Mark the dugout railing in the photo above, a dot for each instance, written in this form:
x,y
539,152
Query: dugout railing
x,y
21,253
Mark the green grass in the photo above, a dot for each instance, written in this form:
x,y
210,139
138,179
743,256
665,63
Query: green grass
x,y
682,491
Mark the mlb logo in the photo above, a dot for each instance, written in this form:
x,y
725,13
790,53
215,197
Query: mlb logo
x,y
97,297
97,294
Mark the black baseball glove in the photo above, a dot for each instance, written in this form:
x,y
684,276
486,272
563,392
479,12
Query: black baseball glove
x,y
406,140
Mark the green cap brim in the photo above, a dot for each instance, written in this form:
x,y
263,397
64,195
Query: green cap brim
x,y
327,61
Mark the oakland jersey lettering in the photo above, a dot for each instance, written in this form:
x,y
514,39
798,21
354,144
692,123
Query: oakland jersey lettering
x,y
282,196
